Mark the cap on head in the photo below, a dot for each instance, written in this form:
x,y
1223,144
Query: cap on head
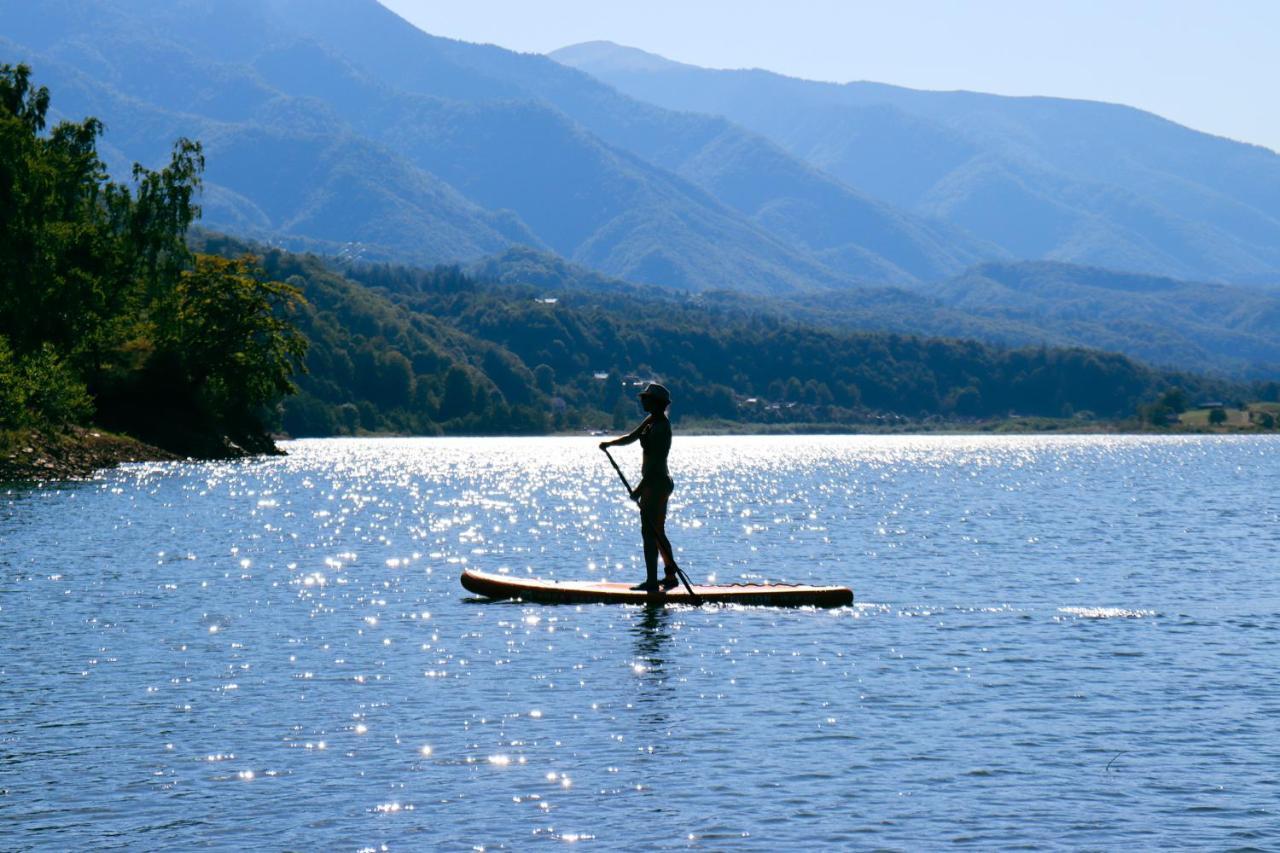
x,y
657,392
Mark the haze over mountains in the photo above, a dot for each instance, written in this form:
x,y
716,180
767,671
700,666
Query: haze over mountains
x,y
334,125
1044,178
338,121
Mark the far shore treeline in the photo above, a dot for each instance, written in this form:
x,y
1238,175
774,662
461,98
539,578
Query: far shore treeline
x,y
427,351
113,312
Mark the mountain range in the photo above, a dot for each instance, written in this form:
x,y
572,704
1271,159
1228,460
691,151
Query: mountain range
x,y
336,126
1043,178
336,122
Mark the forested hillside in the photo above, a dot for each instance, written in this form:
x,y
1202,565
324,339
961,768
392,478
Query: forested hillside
x,y
737,364
428,351
1181,325
1158,320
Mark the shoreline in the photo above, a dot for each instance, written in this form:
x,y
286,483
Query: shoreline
x,y
78,453
30,456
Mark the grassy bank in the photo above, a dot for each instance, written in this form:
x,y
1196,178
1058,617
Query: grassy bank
x,y
1253,417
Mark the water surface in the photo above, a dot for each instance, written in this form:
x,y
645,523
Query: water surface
x,y
1057,642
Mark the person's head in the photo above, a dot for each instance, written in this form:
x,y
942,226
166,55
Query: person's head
x,y
655,398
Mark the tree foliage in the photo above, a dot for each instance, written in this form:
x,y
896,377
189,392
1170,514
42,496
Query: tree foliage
x,y
737,365
103,307
230,333
397,349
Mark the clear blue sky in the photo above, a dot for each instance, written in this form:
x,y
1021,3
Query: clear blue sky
x,y
1211,64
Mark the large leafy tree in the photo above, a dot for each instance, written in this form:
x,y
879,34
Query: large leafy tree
x,y
99,291
228,335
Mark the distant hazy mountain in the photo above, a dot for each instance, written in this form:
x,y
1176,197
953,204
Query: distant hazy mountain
x,y
328,122
1159,320
1193,326
1046,178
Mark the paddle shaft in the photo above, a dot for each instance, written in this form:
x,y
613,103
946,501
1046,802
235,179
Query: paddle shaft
x,y
684,579
620,474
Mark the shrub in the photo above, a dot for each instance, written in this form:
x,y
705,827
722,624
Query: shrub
x,y
13,397
40,390
55,395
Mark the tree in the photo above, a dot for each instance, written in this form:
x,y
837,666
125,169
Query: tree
x,y
1217,416
58,219
545,377
967,402
13,392
100,294
509,374
622,414
718,401
228,334
1175,400
163,210
395,379
459,394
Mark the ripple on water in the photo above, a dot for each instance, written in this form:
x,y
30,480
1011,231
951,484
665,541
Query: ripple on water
x,y
1057,640
1106,612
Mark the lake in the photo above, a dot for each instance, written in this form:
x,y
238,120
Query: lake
x,y
1057,642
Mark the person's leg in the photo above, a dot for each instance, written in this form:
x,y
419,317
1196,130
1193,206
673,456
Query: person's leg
x,y
663,543
649,534
650,552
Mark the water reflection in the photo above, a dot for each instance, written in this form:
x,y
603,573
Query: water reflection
x,y
651,639
651,632
288,640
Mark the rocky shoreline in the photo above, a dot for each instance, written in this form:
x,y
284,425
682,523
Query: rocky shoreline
x,y
75,454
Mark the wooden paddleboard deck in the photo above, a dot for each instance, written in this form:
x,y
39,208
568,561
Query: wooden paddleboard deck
x,y
603,592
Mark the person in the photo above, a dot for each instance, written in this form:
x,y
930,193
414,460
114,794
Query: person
x,y
655,487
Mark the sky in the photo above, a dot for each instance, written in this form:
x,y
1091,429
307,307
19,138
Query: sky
x,y
1209,64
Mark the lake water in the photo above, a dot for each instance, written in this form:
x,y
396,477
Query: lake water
x,y
1058,642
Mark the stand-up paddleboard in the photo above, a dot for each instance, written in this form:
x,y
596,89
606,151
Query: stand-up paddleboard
x,y
603,592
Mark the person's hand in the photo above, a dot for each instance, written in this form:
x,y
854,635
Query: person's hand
x,y
635,495
604,445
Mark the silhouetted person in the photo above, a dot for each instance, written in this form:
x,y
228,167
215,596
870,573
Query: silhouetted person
x,y
654,435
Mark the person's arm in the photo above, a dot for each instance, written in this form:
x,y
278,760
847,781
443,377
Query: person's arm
x,y
629,437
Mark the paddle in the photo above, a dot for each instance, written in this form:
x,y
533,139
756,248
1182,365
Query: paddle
x,y
684,579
